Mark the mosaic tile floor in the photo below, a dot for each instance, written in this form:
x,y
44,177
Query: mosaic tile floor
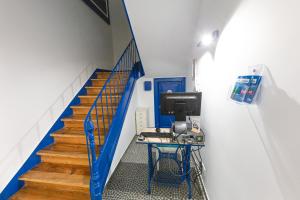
x,y
129,181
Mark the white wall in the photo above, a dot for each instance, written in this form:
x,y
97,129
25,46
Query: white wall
x,y
127,133
252,152
121,34
146,99
45,45
164,34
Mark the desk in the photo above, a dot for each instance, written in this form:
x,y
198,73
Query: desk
x,y
186,158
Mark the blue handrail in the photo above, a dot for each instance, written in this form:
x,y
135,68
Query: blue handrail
x,y
109,108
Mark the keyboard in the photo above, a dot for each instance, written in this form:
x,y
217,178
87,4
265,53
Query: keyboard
x,y
156,135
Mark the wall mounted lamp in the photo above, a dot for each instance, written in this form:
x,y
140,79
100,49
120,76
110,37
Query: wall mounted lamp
x,y
208,39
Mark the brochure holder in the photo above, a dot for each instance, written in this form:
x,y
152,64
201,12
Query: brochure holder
x,y
247,87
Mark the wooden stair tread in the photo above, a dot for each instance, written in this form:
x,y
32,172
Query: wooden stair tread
x,y
68,134
99,87
68,147
80,181
78,148
62,168
64,132
99,73
76,137
104,72
98,104
89,106
69,131
82,118
105,99
73,118
105,79
66,154
34,194
94,96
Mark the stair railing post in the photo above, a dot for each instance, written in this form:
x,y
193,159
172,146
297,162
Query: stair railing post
x,y
95,176
103,118
98,129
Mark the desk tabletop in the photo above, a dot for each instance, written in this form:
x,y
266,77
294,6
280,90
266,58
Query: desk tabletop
x,y
165,141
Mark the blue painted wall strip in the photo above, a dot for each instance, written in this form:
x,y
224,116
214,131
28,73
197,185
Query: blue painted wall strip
x,y
14,185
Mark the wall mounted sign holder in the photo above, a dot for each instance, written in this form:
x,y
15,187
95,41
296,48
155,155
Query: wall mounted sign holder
x,y
247,87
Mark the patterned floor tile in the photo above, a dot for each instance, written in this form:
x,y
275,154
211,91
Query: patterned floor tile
x,y
129,181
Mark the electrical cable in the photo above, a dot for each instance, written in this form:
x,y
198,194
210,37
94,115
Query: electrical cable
x,y
197,164
198,175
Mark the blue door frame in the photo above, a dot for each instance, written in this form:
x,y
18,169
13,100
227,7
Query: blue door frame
x,y
157,81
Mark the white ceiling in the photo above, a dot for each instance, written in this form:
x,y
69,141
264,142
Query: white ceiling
x,y
164,31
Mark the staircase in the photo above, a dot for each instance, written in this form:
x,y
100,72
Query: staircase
x,y
64,170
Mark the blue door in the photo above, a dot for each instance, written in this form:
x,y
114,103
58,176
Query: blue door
x,y
163,85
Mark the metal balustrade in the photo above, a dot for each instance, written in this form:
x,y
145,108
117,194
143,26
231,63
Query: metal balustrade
x,y
103,112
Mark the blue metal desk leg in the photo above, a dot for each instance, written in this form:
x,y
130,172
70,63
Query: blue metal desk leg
x,y
150,167
188,170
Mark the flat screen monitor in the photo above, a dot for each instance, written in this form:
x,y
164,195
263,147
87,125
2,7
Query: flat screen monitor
x,y
181,104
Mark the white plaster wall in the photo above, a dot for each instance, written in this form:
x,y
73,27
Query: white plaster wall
x,y
127,133
146,99
45,45
164,34
251,151
121,34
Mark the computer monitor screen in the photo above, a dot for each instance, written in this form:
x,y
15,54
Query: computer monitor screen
x,y
181,104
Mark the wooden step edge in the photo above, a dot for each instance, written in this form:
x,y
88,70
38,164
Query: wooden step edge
x,y
99,87
100,117
87,107
30,193
103,79
94,96
80,181
68,119
63,154
108,92
98,103
109,72
78,139
105,72
64,129
70,135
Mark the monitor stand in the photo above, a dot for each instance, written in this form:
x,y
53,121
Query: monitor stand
x,y
181,128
